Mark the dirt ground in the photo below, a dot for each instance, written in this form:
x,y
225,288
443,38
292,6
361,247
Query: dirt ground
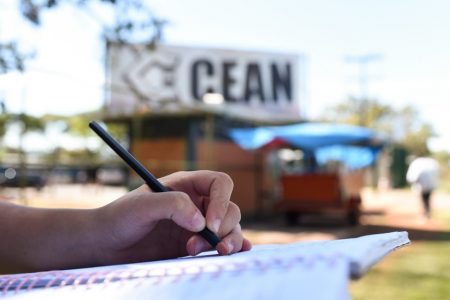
x,y
383,211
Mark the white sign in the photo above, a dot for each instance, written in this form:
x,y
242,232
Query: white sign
x,y
251,85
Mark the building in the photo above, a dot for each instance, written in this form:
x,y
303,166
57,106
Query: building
x,y
178,104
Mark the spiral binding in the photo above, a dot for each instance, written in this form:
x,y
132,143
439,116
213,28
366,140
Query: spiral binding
x,y
51,279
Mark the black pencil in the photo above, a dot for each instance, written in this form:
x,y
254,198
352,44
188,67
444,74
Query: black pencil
x,y
148,177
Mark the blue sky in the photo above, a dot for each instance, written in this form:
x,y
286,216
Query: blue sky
x,y
410,36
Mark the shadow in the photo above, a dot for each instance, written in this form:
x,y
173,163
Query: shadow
x,y
329,225
373,212
414,234
340,230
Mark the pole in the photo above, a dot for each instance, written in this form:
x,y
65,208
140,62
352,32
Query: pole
x,y
363,76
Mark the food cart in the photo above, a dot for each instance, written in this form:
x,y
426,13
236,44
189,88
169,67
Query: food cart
x,y
316,187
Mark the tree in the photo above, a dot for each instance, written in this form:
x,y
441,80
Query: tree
x,y
11,58
415,133
4,120
402,126
134,22
361,112
77,126
26,122
30,123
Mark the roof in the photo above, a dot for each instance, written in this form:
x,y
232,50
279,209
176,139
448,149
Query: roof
x,y
354,145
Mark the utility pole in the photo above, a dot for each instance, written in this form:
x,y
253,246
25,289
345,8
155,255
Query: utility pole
x,y
363,79
363,66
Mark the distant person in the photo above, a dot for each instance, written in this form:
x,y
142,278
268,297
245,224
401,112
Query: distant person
x,y
423,174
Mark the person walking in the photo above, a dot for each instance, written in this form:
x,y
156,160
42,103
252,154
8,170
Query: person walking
x,y
423,174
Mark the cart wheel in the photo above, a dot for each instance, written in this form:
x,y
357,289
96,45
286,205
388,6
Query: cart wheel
x,y
292,218
353,217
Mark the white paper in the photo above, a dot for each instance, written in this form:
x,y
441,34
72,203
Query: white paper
x,y
308,270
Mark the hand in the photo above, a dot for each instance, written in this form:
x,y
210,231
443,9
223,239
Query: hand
x,y
143,225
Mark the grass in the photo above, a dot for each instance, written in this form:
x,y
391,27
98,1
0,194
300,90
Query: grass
x,y
418,271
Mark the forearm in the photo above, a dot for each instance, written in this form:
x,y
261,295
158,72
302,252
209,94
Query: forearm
x,y
35,239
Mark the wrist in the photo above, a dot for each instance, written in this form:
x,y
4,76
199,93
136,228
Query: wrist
x,y
62,239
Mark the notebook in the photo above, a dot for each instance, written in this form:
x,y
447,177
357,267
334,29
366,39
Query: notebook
x,y
308,270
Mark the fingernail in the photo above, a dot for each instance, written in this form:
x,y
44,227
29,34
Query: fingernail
x,y
198,221
215,225
199,246
230,247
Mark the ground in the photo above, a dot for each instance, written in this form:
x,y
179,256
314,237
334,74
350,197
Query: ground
x,y
383,211
418,271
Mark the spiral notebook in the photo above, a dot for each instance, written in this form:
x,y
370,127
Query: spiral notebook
x,y
309,270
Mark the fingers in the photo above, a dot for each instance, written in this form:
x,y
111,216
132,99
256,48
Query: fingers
x,y
211,191
215,186
175,206
246,245
231,243
235,242
220,189
230,232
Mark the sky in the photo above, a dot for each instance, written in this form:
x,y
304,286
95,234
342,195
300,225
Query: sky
x,y
409,37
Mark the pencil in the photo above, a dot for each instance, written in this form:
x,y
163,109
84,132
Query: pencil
x,y
148,177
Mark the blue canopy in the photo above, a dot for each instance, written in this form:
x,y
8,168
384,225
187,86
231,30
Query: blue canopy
x,y
356,146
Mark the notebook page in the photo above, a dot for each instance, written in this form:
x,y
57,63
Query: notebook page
x,y
362,252
313,279
337,258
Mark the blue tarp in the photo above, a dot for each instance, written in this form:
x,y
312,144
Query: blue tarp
x,y
355,146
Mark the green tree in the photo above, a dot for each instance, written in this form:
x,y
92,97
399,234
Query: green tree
x,y
411,132
77,125
134,22
4,120
362,112
11,57
402,126
30,123
26,122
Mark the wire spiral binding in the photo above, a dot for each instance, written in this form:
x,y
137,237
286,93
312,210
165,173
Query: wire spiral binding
x,y
51,279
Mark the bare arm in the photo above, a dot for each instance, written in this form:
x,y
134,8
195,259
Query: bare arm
x,y
35,239
139,226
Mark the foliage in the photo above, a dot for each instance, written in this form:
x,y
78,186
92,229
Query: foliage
x,y
118,130
402,126
11,58
78,125
30,123
61,156
361,112
443,157
134,22
4,120
27,122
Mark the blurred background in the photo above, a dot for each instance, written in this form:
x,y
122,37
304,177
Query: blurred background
x,y
315,108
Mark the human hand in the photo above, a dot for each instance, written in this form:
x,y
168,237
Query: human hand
x,y
143,225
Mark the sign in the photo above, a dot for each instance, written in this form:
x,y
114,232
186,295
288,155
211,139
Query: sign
x,y
250,85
